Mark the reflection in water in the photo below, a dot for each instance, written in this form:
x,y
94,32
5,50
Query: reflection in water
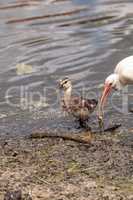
x,y
80,39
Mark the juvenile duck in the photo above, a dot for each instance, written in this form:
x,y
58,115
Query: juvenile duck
x,y
78,107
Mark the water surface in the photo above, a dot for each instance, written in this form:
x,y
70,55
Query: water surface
x,y
81,39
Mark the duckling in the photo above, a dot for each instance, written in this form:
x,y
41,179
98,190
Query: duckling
x,y
78,107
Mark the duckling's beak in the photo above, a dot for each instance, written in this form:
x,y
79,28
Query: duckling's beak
x,y
60,85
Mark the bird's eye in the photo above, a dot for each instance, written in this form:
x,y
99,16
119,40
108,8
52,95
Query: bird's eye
x,y
65,82
110,84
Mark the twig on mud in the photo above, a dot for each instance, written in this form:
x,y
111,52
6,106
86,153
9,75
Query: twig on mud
x,y
112,128
42,180
84,137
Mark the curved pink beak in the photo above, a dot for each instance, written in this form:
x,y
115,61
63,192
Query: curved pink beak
x,y
106,91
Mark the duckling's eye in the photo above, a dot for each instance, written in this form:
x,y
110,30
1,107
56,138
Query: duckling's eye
x,y
110,84
65,82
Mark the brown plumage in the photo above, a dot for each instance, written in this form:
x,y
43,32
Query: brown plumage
x,y
78,107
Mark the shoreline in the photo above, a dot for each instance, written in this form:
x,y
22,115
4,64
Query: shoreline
x,y
52,168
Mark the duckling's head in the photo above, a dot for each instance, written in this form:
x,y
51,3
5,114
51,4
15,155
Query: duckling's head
x,y
65,84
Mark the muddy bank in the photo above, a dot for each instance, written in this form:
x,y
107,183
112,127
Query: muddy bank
x,y
58,169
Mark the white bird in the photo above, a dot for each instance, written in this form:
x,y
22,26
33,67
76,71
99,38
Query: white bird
x,y
122,76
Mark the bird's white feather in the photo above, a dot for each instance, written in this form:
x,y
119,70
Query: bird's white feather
x,y
125,70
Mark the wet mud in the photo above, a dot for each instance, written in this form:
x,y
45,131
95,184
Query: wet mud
x,y
54,168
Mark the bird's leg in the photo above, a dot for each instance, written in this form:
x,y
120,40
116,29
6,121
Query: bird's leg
x,y
84,124
77,125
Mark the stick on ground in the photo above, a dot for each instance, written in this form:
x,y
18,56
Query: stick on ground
x,y
84,137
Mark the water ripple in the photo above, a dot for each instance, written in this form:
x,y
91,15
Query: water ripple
x,y
80,39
